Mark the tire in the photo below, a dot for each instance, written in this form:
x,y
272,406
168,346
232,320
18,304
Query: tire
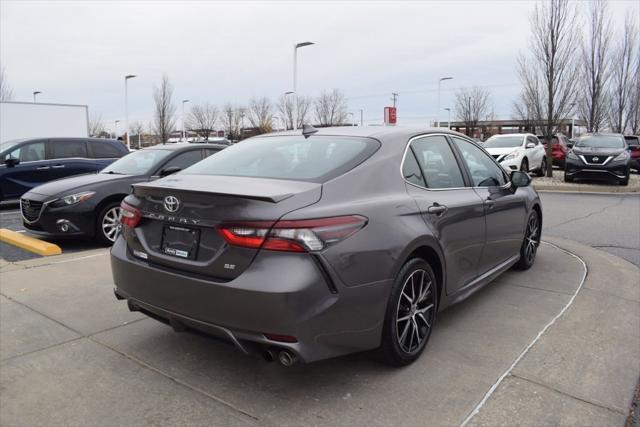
x,y
567,178
530,243
524,166
542,171
415,279
625,181
106,217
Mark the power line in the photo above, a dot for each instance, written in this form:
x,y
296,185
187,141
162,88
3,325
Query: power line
x,y
394,96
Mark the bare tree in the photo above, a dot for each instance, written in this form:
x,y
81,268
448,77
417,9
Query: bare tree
x,y
624,60
524,110
96,126
164,118
231,119
331,108
634,121
202,119
285,107
137,129
548,75
6,93
596,62
261,114
471,106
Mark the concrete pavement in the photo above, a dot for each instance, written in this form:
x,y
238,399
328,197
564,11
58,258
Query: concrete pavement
x,y
71,354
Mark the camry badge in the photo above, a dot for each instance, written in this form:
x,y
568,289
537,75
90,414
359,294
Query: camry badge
x,y
171,204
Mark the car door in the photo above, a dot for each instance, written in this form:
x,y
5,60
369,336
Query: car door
x,y
32,170
535,153
69,157
505,209
450,208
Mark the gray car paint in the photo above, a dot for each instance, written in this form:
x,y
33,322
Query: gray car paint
x,y
333,301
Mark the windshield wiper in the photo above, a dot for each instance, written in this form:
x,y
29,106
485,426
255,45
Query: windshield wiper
x,y
114,173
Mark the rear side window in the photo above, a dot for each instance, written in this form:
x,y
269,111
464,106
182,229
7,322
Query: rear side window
x,y
632,140
104,150
67,149
316,159
210,151
411,170
437,162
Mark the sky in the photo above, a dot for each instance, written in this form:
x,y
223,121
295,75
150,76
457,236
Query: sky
x,y
78,52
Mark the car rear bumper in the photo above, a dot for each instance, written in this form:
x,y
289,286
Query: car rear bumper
x,y
283,294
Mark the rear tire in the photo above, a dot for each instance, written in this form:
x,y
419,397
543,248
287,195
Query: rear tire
x,y
542,171
625,181
531,241
567,178
411,313
108,224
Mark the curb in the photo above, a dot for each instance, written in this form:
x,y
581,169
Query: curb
x,y
578,188
30,244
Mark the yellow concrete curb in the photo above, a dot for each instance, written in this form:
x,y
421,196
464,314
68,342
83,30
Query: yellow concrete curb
x,y
30,244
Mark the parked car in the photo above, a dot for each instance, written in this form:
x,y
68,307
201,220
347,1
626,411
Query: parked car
x,y
30,162
212,140
560,145
89,205
633,141
334,241
517,151
599,157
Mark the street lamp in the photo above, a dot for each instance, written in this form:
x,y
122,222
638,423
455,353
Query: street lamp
x,y
184,101
126,108
37,92
295,79
439,84
117,121
352,122
449,119
361,117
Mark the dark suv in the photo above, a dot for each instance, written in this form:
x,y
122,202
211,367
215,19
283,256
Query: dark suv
x,y
28,163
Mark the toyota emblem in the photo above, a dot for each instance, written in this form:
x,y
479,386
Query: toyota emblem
x,y
171,204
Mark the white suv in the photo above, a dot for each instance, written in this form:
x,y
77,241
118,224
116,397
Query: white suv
x,y
518,151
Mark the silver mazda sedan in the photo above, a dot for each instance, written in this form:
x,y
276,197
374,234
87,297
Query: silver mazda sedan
x,y
307,245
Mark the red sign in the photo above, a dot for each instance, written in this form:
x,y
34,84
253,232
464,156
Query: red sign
x,y
390,115
221,134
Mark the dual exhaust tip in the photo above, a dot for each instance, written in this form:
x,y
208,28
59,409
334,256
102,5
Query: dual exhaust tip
x,y
286,357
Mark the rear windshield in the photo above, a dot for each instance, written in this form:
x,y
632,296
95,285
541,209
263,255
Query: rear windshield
x,y
316,159
632,140
601,141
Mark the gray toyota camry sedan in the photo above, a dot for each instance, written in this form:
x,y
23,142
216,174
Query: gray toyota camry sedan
x,y
312,244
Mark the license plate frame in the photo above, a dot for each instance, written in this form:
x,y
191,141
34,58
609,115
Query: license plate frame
x,y
180,242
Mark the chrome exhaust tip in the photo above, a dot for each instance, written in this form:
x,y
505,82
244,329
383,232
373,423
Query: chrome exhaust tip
x,y
269,355
287,358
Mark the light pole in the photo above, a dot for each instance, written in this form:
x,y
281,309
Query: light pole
x,y
126,109
361,117
449,118
295,79
439,84
37,92
184,101
117,121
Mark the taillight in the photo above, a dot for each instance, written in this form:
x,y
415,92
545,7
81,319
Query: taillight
x,y
129,215
292,235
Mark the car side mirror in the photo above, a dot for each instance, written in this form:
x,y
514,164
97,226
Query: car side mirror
x,y
569,144
530,145
11,162
520,179
170,170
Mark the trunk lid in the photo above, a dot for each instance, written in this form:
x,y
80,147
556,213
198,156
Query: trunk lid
x,y
180,215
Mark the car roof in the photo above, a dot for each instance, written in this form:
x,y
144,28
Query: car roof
x,y
377,132
184,145
511,134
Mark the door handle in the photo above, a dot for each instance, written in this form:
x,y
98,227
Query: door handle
x,y
489,203
57,166
41,168
436,209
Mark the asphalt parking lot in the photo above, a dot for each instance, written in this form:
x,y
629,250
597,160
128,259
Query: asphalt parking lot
x,y
71,354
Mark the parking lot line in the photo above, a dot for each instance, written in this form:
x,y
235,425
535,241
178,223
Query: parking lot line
x,y
30,244
532,343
